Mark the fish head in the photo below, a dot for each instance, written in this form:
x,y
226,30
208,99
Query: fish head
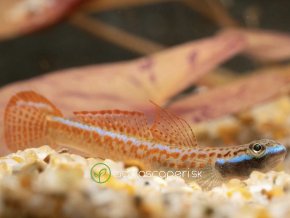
x,y
261,155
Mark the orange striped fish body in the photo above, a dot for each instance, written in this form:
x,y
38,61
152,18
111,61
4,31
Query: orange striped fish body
x,y
169,144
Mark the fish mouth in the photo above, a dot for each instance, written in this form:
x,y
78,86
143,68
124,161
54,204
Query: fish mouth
x,y
277,157
277,150
282,152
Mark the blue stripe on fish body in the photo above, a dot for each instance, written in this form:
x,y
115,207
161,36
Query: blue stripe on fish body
x,y
236,159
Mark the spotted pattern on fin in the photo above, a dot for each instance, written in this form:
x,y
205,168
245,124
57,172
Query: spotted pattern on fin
x,y
171,129
25,120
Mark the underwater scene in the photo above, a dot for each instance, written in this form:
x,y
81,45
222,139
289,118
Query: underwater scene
x,y
144,108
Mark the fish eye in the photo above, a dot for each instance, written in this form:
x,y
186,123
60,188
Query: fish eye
x,y
257,149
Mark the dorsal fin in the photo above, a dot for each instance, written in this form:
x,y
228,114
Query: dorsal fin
x,y
171,129
127,122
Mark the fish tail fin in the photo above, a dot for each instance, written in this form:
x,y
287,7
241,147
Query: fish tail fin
x,y
25,120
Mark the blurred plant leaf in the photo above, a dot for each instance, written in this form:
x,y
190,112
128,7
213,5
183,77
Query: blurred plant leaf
x,y
234,97
266,46
23,16
131,84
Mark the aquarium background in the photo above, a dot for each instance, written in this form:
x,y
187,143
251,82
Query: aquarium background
x,y
130,30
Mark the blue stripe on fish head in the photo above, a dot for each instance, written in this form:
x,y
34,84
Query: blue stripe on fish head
x,y
242,165
276,150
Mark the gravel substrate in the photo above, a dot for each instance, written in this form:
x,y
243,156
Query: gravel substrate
x,y
40,182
